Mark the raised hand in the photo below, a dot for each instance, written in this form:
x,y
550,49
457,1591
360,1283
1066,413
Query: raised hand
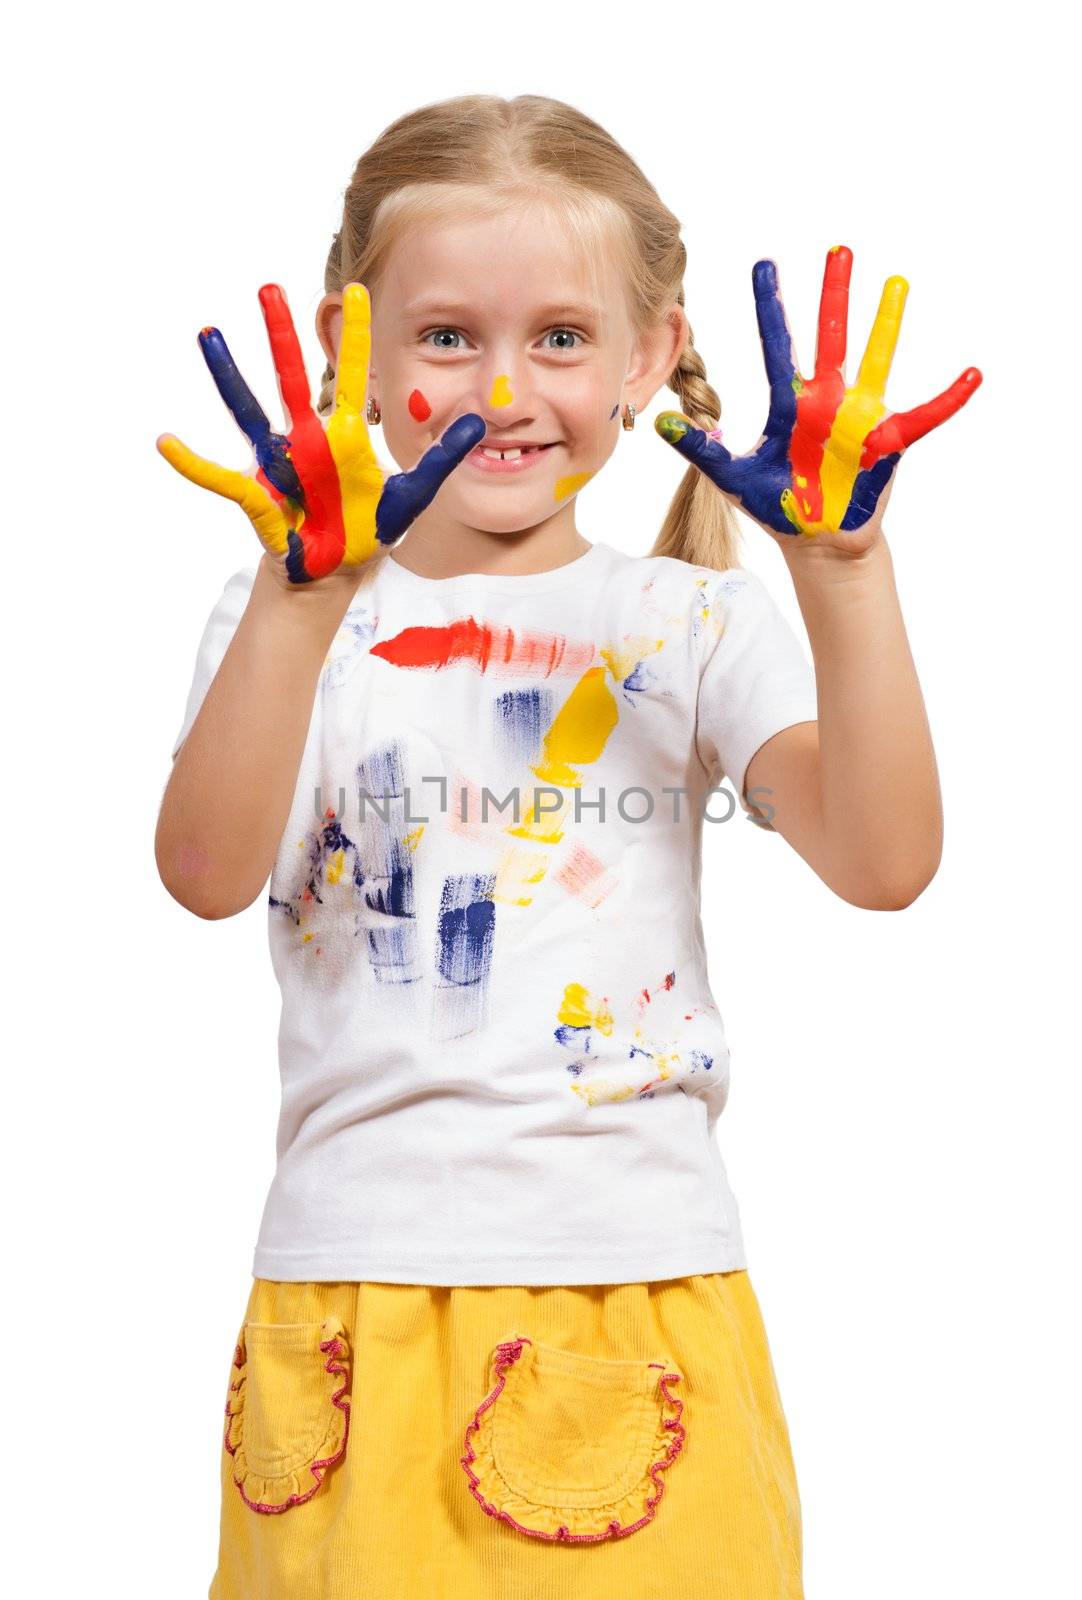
x,y
828,451
318,498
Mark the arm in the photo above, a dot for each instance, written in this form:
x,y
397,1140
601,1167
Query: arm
x,y
228,798
857,794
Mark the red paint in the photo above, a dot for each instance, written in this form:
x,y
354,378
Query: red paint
x,y
490,648
323,531
420,410
899,431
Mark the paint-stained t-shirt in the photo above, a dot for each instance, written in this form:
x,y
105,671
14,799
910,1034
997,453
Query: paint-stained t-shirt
x,y
501,1060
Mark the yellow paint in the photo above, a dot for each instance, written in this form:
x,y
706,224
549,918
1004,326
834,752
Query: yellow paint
x,y
602,1091
541,826
516,870
501,393
577,1010
861,410
623,659
266,516
413,838
569,485
360,476
335,865
579,730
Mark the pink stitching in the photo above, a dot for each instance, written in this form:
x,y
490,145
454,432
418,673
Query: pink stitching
x,y
506,1356
317,1468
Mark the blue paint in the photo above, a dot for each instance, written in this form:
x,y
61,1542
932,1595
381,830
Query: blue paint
x,y
573,1038
271,449
466,927
388,910
759,479
406,494
521,718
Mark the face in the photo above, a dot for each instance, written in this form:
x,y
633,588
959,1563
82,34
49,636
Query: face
x,y
490,316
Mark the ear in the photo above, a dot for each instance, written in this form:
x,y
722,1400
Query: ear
x,y
329,326
655,356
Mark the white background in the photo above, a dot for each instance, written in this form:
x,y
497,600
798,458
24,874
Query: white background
x,y
903,1124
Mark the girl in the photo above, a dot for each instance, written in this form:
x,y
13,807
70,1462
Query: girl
x,y
501,1340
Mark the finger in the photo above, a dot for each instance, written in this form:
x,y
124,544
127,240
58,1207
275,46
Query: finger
x,y
270,448
354,350
834,311
901,430
406,494
696,446
310,451
360,478
266,517
883,339
778,354
867,489
286,352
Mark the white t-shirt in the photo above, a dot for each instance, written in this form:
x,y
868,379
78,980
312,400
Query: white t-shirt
x,y
501,1060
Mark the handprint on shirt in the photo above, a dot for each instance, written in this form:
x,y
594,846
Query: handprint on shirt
x,y
828,450
318,497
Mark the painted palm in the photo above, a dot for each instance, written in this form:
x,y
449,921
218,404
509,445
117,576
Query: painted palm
x,y
828,450
317,497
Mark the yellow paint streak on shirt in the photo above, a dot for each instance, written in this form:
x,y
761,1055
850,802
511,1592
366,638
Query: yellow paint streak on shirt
x,y
516,869
579,730
577,1011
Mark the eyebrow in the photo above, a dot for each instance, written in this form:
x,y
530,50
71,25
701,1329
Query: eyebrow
x,y
432,305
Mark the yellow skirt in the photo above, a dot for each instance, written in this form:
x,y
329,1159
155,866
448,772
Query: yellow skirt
x,y
608,1442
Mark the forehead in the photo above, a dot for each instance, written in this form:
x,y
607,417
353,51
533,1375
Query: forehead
x,y
504,264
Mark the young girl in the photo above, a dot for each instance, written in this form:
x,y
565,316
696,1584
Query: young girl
x,y
501,1340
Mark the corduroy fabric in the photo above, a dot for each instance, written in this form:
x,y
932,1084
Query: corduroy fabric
x,y
417,1442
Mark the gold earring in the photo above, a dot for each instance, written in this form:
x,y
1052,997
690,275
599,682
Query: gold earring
x,y
373,412
627,416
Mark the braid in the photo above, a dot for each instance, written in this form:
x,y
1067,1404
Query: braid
x,y
698,400
701,526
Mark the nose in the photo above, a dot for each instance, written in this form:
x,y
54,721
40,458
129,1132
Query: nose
x,y
507,400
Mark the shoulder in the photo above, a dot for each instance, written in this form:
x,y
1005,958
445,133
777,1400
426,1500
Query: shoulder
x,y
704,596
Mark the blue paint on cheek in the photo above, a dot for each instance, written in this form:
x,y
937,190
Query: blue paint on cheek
x,y
614,410
699,1058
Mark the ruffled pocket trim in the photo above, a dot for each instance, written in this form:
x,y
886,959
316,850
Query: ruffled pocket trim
x,y
658,1437
297,1481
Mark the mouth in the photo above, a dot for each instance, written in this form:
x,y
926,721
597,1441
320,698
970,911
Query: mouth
x,y
513,459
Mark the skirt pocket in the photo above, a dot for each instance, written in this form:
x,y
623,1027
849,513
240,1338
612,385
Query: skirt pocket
x,y
287,1412
571,1447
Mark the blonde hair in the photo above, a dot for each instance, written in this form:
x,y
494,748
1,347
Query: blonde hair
x,y
479,154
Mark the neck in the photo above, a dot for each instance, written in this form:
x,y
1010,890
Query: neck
x,y
435,550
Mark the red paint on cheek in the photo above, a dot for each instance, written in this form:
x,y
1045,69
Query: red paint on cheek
x,y
420,410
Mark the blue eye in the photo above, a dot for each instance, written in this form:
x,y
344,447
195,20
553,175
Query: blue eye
x,y
437,332
442,330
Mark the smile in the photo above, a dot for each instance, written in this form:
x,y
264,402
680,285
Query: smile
x,y
486,459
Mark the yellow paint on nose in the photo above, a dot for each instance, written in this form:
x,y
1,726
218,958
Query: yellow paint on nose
x,y
501,392
570,485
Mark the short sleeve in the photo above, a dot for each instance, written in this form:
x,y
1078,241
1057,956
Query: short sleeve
x,y
755,680
221,626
